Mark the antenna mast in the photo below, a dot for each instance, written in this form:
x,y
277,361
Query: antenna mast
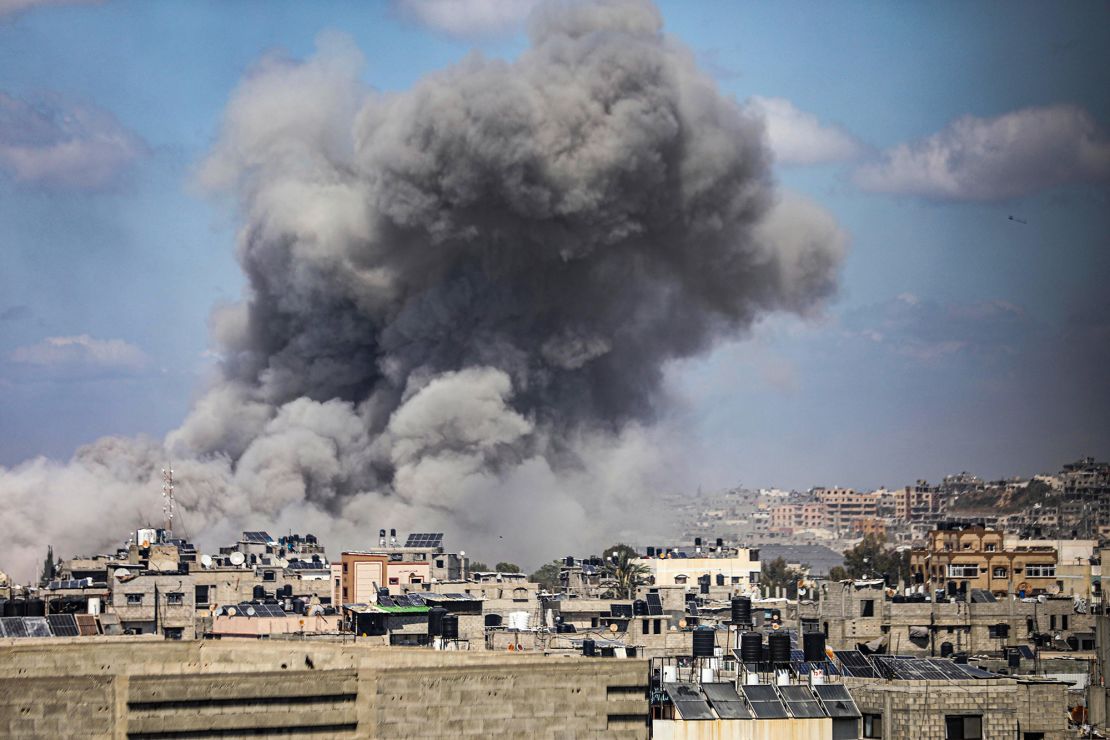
x,y
169,506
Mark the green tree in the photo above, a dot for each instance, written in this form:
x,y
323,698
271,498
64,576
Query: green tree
x,y
838,573
504,567
477,566
777,574
873,558
548,576
621,567
48,567
620,550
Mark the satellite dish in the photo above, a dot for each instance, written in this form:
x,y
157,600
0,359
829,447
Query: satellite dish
x,y
801,592
612,626
120,573
231,611
250,611
206,561
237,558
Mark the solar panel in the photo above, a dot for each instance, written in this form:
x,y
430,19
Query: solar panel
x,y
720,692
13,627
386,601
974,672
692,608
36,626
801,702
829,668
855,664
694,710
838,702
655,605
732,710
424,539
1025,652
797,656
86,624
764,701
63,625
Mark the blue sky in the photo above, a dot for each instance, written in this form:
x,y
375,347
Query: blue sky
x,y
960,339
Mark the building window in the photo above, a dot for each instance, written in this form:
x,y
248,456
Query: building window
x,y
736,580
991,547
134,599
394,582
439,563
344,567
1063,621
998,630
657,629
416,579
867,608
872,725
175,598
999,572
963,571
201,595
753,577
645,625
963,727
679,580
753,556
269,575
1040,571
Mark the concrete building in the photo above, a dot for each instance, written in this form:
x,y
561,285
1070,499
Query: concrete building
x,y
136,687
975,557
735,569
864,612
398,568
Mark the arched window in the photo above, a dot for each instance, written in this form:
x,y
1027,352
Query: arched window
x,y
680,579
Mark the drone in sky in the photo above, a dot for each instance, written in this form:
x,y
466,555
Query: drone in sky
x,y
1018,220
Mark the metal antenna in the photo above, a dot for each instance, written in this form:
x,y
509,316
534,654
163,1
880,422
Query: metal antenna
x,y
169,506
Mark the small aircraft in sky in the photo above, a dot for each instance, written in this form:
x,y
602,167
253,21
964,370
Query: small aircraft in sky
x,y
1018,220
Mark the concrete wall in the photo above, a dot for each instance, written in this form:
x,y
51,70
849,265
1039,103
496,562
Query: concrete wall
x,y
105,687
750,729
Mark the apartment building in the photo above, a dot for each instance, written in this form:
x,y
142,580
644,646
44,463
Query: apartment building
x,y
975,557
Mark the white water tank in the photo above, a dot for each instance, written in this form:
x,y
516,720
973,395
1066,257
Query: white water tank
x,y
518,620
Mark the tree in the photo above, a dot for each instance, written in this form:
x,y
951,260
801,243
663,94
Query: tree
x,y
477,566
777,574
620,550
872,558
48,567
837,573
621,568
548,576
504,567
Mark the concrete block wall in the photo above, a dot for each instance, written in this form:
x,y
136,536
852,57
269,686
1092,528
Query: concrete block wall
x,y
919,709
109,687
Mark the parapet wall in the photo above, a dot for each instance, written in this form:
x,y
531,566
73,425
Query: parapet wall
x,y
145,688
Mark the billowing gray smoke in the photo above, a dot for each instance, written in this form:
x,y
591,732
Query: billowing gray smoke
x,y
462,297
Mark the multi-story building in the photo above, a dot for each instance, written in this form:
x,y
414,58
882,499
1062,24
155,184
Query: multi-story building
x,y
958,560
421,560
843,506
735,569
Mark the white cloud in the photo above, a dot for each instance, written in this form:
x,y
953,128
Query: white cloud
x,y
11,7
467,18
55,143
798,137
983,159
81,352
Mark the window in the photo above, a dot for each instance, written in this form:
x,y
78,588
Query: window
x,y
394,581
416,579
1063,621
1052,621
439,563
753,577
867,608
998,630
999,572
735,580
679,580
134,599
344,567
1040,571
963,727
201,595
269,575
991,547
872,725
963,571
175,598
753,555
646,629
657,629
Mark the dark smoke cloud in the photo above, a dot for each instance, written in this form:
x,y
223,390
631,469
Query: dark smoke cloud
x,y
462,297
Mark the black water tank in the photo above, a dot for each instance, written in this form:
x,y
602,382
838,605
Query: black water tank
x,y
36,608
779,643
720,542
287,591
435,620
813,645
697,542
720,579
568,561
960,658
651,551
259,592
751,643
450,626
298,606
589,648
945,649
741,610
14,608
705,641
639,608
703,586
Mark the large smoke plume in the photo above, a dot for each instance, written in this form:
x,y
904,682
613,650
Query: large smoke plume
x,y
462,297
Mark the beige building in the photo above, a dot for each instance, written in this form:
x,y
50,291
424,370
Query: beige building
x,y
736,568
980,558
